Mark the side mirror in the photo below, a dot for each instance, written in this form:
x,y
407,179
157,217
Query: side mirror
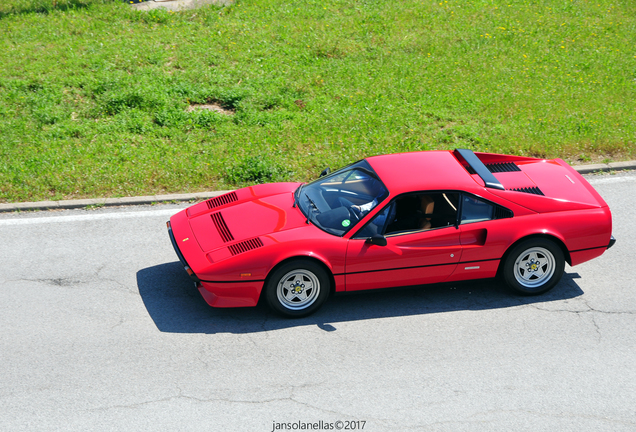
x,y
376,239
325,172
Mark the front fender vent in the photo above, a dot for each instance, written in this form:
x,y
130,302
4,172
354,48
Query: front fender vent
x,y
502,167
244,246
221,227
221,200
530,190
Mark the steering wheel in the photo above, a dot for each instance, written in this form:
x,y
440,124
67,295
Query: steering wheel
x,y
355,212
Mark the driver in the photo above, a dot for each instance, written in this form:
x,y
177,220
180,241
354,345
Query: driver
x,y
359,210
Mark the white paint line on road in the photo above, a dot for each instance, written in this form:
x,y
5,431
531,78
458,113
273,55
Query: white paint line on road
x,y
609,180
89,217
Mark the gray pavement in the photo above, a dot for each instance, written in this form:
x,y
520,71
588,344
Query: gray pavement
x,y
102,330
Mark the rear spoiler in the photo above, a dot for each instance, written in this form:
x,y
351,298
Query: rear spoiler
x,y
478,166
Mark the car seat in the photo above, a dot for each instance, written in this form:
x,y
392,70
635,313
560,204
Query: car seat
x,y
427,206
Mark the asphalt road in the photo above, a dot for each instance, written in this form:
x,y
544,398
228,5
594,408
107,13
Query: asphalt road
x,y
102,330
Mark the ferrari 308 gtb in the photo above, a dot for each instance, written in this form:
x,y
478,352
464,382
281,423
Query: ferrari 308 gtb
x,y
390,221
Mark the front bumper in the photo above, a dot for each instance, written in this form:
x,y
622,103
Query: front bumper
x,y
228,295
221,294
180,255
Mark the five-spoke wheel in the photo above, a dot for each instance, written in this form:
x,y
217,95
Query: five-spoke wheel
x,y
534,266
297,288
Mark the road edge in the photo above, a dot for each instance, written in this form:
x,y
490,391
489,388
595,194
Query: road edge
x,y
200,196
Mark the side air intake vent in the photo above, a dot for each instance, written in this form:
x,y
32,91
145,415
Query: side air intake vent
x,y
245,246
502,213
502,167
530,190
221,227
221,200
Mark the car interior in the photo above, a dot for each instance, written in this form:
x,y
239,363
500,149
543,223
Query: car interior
x,y
416,212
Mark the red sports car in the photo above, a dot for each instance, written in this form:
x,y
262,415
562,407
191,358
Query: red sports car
x,y
389,221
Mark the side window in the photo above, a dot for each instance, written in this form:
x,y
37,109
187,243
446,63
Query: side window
x,y
475,210
414,212
376,226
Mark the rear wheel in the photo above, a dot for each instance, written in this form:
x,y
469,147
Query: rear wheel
x,y
297,288
534,266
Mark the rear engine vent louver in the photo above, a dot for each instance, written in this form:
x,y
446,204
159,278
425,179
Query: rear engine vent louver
x,y
497,167
502,167
221,227
245,246
221,200
530,190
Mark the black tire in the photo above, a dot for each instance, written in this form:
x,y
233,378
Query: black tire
x,y
297,288
534,266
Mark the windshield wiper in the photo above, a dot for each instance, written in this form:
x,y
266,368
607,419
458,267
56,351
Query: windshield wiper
x,y
312,203
297,194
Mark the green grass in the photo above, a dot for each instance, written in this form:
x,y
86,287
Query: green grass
x,y
93,95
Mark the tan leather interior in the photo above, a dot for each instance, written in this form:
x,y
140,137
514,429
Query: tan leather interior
x,y
427,206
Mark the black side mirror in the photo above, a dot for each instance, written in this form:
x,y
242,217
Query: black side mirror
x,y
376,239
325,172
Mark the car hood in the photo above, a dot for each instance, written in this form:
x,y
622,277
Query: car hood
x,y
245,215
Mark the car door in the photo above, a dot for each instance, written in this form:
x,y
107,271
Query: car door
x,y
422,244
485,230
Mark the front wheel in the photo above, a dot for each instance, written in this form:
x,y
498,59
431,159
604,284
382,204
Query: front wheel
x,y
297,288
534,266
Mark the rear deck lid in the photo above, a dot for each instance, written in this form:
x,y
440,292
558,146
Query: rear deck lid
x,y
538,184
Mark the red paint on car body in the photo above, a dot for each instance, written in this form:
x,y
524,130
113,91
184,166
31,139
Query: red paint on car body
x,y
258,228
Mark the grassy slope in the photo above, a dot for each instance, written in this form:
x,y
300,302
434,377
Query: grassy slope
x,y
93,95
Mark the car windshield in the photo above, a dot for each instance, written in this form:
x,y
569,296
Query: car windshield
x,y
337,202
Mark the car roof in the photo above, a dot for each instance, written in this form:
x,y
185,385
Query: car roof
x,y
425,170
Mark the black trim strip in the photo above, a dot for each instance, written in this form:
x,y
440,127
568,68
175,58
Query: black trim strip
x,y
586,249
475,163
176,248
371,271
184,263
423,266
232,282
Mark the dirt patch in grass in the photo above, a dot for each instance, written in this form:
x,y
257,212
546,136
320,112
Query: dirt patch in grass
x,y
211,107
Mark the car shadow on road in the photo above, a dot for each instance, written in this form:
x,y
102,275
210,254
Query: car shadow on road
x,y
176,306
